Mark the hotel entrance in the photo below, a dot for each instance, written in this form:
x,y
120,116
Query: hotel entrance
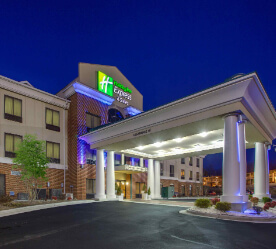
x,y
122,184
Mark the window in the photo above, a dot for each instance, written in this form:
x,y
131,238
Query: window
x,y
52,120
182,160
13,109
161,169
53,151
90,186
190,161
11,143
197,176
171,170
197,162
191,175
92,121
182,174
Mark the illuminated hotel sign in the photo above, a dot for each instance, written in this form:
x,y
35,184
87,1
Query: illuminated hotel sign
x,y
107,85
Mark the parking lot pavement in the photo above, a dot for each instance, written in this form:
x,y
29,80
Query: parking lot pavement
x,y
128,225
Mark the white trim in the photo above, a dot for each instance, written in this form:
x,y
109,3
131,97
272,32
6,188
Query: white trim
x,y
30,91
7,160
77,87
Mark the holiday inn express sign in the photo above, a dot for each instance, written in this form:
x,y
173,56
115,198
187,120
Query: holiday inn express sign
x,y
107,85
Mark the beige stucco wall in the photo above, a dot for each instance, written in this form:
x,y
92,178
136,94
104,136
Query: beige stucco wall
x,y
33,122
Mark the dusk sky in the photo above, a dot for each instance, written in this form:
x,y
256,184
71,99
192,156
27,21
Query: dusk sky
x,y
167,49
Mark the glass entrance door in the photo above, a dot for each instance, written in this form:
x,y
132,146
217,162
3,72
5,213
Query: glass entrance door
x,y
139,188
122,183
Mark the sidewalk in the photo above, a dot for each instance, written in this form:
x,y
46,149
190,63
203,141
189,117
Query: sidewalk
x,y
21,210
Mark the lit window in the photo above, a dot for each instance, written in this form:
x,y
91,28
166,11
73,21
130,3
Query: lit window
x,y
11,143
53,152
13,109
191,175
182,174
52,120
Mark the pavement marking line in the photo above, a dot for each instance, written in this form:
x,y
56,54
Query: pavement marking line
x,y
191,241
159,204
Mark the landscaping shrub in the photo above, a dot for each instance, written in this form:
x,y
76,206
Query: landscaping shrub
x,y
62,197
14,204
54,198
266,199
273,204
203,203
215,201
5,199
223,206
254,200
266,206
250,196
149,192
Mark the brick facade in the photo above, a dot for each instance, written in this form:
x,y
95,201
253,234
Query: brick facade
x,y
14,183
76,176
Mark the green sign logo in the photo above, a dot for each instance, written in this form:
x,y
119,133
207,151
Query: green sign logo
x,y
105,83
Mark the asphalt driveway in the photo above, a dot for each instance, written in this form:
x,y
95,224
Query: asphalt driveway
x,y
128,225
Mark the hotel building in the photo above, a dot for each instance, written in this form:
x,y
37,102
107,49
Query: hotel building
x,y
99,96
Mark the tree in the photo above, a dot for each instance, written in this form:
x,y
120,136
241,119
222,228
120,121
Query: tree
x,y
31,160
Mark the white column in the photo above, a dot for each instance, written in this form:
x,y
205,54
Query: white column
x,y
242,154
150,176
141,162
100,178
260,171
267,148
157,179
122,159
110,176
231,165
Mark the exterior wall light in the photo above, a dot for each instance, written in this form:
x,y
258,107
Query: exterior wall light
x,y
126,183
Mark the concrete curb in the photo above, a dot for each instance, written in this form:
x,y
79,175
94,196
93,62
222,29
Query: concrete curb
x,y
21,210
230,217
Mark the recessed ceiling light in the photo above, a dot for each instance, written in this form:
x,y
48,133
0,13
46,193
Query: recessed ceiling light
x,y
178,140
158,144
203,134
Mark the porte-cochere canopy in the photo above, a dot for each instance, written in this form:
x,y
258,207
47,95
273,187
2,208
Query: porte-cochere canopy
x,y
229,117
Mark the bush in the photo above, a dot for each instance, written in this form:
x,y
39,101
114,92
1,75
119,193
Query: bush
x,y
203,203
215,201
119,190
223,206
149,192
250,196
266,199
54,198
254,200
273,204
14,204
5,199
266,206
